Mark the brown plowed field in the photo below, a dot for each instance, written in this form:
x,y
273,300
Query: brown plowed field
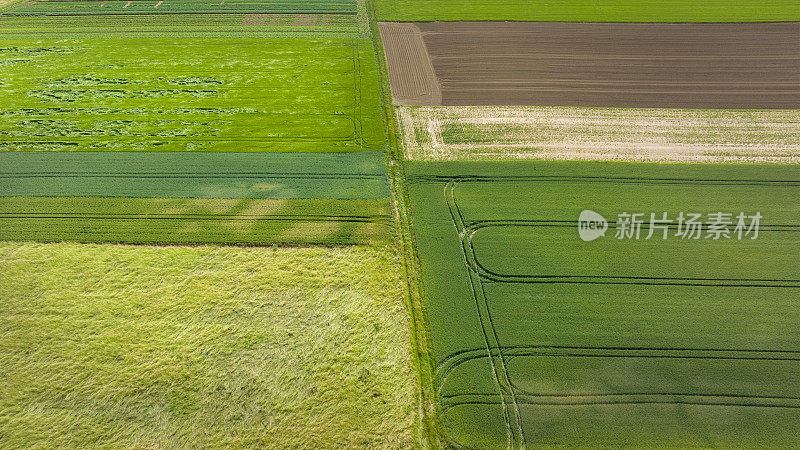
x,y
624,65
411,74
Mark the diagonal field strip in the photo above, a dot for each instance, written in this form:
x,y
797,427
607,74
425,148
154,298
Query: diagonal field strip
x,y
511,414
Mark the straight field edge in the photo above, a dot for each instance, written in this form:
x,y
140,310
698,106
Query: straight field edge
x,y
428,433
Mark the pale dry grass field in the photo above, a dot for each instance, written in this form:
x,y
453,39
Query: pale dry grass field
x,y
192,347
566,133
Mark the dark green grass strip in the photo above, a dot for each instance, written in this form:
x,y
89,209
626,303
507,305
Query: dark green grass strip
x,y
256,222
198,175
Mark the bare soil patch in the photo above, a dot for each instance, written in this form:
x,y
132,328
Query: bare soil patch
x,y
413,80
751,66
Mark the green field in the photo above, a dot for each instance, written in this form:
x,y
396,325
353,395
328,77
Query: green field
x,y
159,94
145,347
216,231
188,26
184,19
269,140
589,10
195,198
544,339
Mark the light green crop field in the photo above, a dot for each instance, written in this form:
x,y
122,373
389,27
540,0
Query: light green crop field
x,y
214,94
148,347
589,10
8,3
632,339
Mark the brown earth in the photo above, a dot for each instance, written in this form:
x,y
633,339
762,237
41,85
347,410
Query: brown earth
x,y
411,74
754,65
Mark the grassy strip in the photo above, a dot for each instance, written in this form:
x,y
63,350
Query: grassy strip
x,y
186,6
196,221
429,432
170,26
589,10
219,23
196,175
144,347
786,173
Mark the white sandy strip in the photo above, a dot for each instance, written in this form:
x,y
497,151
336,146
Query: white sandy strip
x,y
127,4
601,134
406,125
576,156
158,4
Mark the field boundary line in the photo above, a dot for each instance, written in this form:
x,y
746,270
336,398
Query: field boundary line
x,y
429,432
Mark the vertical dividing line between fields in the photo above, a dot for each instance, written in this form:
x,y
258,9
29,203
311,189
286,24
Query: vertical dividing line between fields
x,y
429,433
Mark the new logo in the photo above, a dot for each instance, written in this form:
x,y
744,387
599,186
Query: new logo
x,y
591,225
